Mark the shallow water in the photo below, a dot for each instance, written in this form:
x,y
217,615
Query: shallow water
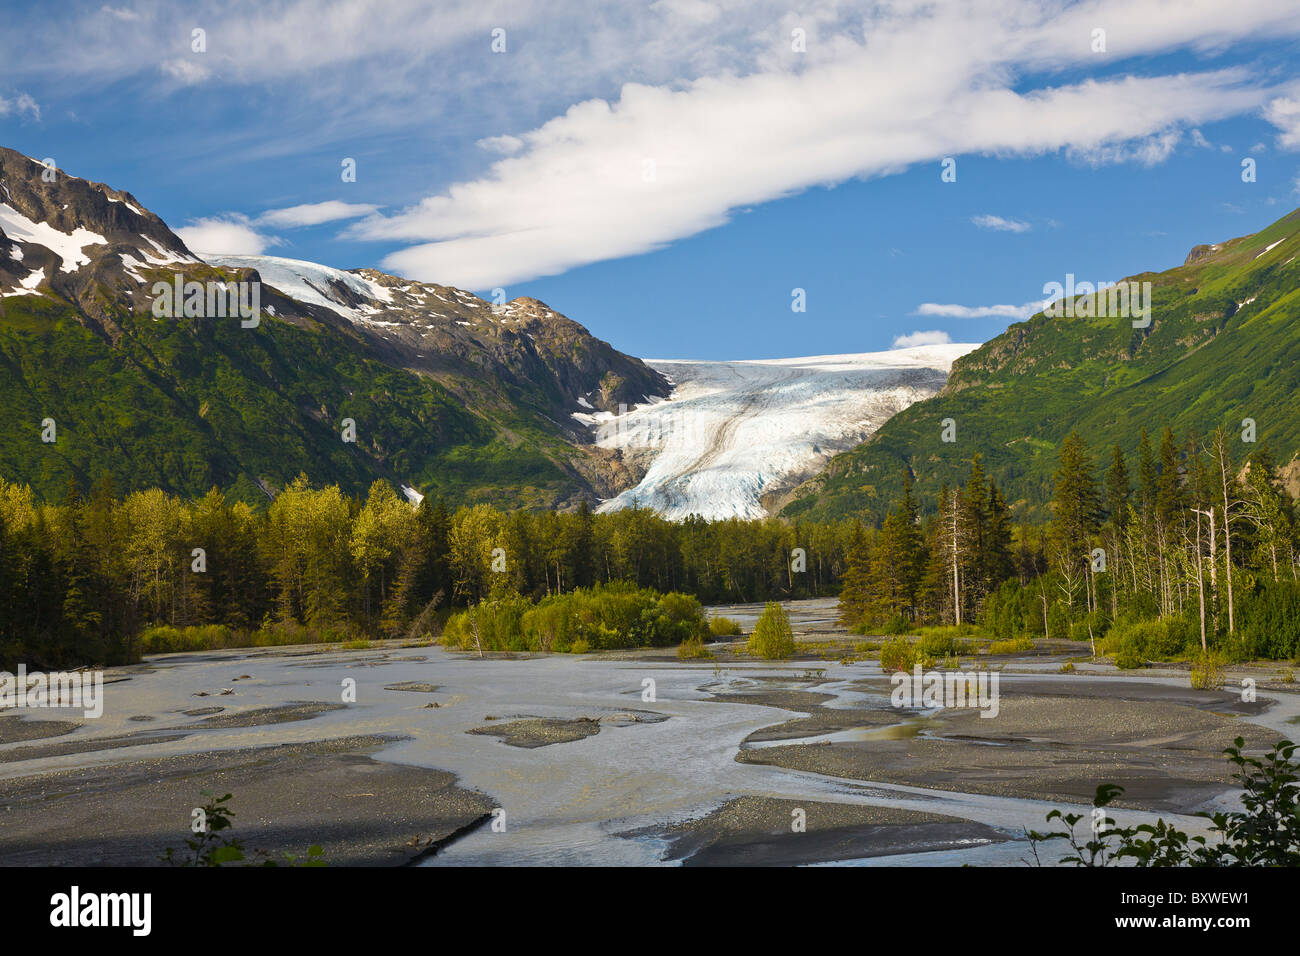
x,y
564,803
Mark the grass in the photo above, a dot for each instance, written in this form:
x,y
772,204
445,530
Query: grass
x,y
1017,645
166,639
693,649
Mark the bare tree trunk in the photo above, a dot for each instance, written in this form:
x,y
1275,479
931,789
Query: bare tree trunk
x,y
1222,451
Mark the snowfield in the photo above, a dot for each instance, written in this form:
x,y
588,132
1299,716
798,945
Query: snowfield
x,y
68,246
307,281
733,433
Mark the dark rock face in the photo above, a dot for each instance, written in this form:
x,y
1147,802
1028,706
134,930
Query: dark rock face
x,y
545,358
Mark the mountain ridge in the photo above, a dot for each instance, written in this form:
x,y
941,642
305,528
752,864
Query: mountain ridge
x,y
1222,347
468,404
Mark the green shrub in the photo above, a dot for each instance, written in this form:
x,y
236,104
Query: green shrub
x,y
1208,670
1270,620
1134,643
943,641
897,625
693,647
604,617
1128,653
720,626
898,654
165,639
1018,645
772,637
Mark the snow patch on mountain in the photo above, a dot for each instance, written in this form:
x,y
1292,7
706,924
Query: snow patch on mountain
x,y
68,246
307,281
28,286
734,433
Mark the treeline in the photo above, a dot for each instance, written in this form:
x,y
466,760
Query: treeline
x,y
81,579
1190,548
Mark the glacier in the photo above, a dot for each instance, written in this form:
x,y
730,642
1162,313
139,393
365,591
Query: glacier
x,y
733,437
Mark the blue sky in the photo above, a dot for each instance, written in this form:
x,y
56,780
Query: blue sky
x,y
668,174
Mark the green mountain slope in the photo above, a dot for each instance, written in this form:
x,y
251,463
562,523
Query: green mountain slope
x,y
1223,346
448,396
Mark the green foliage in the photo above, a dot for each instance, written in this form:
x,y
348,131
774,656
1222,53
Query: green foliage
x,y
210,848
604,617
898,654
165,639
720,626
1018,396
1208,670
693,648
1135,642
773,637
1265,832
101,579
1019,645
1270,619
944,641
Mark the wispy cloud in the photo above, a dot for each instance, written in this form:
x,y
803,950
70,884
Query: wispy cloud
x,y
20,104
1000,224
727,113
313,214
980,311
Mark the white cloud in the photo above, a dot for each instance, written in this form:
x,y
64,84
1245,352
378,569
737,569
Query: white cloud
x,y
225,235
582,189
505,145
22,103
1284,113
731,116
1148,151
921,338
1000,224
980,311
313,214
120,13
186,72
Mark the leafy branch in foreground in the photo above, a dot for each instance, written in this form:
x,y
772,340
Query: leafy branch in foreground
x,y
1265,833
207,848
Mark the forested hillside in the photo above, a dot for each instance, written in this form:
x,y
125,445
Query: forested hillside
x,y
1223,346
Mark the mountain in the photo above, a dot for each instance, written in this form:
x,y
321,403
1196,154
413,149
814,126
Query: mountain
x,y
1223,345
449,394
736,437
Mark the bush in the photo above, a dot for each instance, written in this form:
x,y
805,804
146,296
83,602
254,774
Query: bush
x,y
604,617
1270,620
944,641
772,637
720,626
898,654
693,647
1128,654
166,639
1134,643
1208,670
897,625
1265,832
1019,645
